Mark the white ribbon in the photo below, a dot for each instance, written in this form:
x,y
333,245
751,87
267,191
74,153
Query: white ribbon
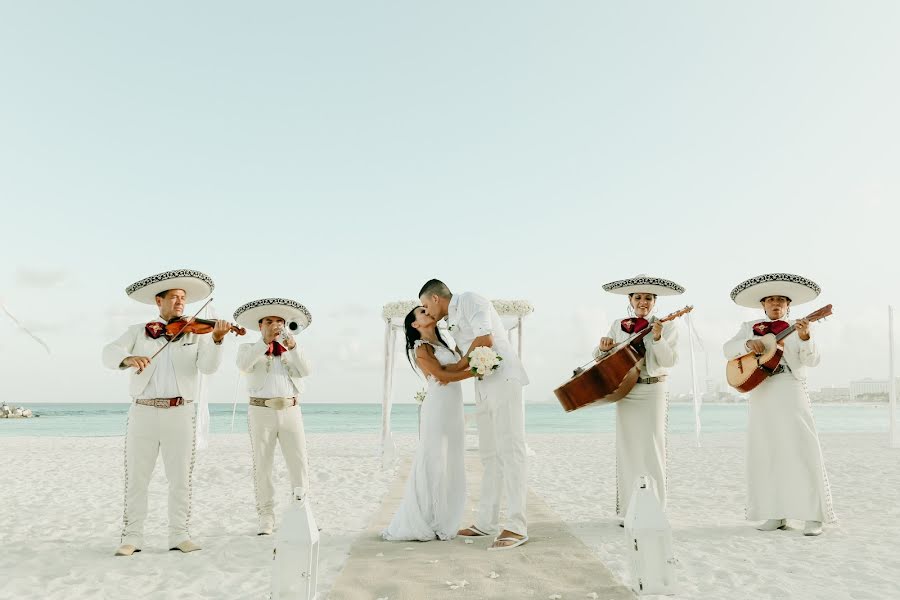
x,y
202,436
25,329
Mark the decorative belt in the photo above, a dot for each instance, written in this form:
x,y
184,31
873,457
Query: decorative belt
x,y
782,368
276,403
162,402
651,379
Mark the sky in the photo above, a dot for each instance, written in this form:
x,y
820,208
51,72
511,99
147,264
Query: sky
x,y
341,154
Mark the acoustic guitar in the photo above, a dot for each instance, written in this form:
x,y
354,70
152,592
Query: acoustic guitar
x,y
611,377
746,372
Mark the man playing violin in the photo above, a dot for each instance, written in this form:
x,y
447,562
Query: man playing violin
x,y
163,385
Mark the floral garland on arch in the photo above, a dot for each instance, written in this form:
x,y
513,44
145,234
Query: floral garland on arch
x,y
513,308
505,308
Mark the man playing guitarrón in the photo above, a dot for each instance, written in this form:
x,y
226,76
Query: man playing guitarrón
x,y
786,476
641,414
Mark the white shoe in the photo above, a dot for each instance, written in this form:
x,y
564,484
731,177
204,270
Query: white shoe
x,y
813,528
772,525
126,550
186,546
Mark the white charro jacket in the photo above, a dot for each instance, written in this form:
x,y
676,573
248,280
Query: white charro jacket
x,y
797,354
192,354
252,359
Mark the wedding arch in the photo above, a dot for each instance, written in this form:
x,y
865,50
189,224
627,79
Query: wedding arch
x,y
393,314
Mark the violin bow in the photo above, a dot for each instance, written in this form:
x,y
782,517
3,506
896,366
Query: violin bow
x,y
178,335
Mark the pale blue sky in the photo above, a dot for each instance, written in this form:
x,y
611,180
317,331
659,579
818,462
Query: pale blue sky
x,y
341,153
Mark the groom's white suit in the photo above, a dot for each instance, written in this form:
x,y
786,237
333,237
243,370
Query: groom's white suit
x,y
501,417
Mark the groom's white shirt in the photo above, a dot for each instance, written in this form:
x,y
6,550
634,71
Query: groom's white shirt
x,y
470,316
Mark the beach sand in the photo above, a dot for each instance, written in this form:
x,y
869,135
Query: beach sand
x,y
61,502
553,562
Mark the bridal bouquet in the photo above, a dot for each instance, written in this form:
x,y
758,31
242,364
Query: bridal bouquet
x,y
420,396
483,361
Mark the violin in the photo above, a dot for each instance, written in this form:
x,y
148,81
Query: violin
x,y
181,325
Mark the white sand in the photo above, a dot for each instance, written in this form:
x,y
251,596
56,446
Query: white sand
x,y
553,562
62,505
61,501
719,554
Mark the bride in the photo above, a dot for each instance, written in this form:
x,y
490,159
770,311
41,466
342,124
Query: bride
x,y
435,495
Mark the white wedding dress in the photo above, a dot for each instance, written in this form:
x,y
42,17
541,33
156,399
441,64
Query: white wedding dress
x,y
435,495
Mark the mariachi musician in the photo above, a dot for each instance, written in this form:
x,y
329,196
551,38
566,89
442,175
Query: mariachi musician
x,y
274,367
165,357
786,476
641,414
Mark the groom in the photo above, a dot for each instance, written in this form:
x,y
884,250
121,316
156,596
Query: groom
x,y
474,322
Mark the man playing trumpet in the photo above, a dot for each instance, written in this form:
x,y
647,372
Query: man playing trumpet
x,y
274,367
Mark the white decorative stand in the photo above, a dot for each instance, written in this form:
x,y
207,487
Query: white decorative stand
x,y
649,541
295,564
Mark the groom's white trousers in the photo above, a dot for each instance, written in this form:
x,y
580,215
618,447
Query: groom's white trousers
x,y
150,432
501,444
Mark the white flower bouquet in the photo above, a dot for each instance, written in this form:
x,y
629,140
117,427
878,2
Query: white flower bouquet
x,y
420,396
483,361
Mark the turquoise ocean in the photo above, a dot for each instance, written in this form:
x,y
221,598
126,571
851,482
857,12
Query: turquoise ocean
x,y
90,420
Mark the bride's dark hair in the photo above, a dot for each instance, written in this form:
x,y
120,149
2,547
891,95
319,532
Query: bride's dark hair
x,y
413,335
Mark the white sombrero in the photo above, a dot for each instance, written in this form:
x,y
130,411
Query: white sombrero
x,y
644,284
751,292
196,285
249,315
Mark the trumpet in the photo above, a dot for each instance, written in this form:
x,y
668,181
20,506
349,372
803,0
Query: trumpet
x,y
286,332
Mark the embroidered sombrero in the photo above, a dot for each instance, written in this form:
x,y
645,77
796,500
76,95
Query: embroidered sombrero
x,y
196,285
249,314
644,284
751,292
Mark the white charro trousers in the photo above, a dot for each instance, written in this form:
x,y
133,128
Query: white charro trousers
x,y
501,444
641,426
150,432
268,426
786,476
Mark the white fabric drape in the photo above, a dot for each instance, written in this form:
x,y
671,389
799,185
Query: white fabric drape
x,y
695,383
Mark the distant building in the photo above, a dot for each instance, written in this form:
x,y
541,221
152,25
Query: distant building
x,y
870,390
832,394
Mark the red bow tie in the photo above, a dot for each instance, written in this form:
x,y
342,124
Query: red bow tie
x,y
155,329
634,324
765,327
275,349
